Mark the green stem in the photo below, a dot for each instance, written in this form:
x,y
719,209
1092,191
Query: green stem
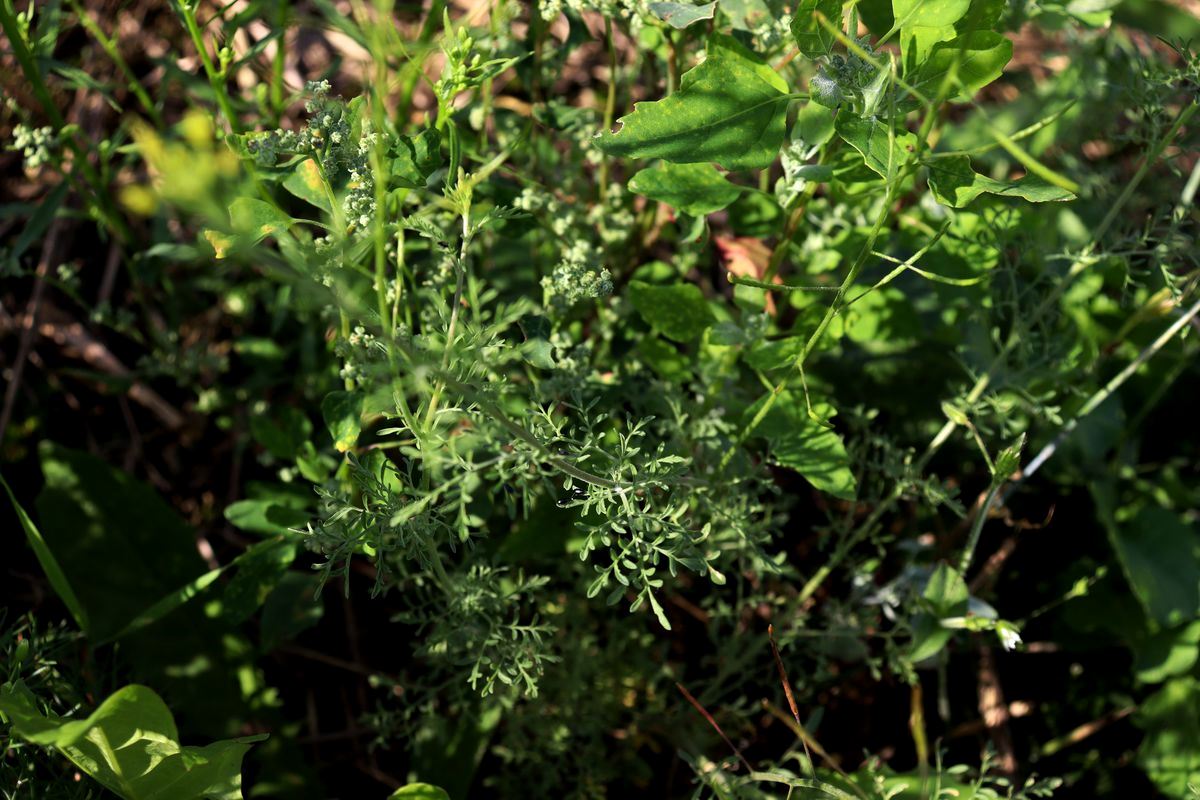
x,y
848,542
964,562
91,181
610,103
215,79
110,49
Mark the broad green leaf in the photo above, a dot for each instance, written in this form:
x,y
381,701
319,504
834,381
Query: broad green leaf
x,y
663,358
1167,653
813,38
536,349
814,124
58,579
343,416
260,569
870,138
282,430
305,182
973,59
1170,751
257,219
420,791
985,15
130,745
91,513
1158,552
181,595
748,15
291,608
678,312
695,189
924,23
265,515
955,183
947,596
883,318
730,109
415,158
799,442
946,592
681,15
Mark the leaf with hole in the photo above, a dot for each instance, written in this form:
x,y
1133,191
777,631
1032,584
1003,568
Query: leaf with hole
x,y
681,15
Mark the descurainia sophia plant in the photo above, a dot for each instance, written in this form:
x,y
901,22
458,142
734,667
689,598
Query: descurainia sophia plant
x,y
588,401
471,417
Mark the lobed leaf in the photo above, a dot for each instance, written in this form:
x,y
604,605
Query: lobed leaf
x,y
955,183
813,38
731,109
883,154
799,442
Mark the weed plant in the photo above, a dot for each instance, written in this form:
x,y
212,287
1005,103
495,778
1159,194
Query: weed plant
x,y
739,400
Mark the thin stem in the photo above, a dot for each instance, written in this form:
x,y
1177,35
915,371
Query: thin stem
x,y
215,78
848,542
461,269
110,49
610,103
1107,390
964,561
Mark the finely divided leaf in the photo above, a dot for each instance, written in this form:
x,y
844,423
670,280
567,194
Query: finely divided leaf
x,y
955,183
695,189
730,109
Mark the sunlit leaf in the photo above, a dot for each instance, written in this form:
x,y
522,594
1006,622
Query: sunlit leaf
x,y
882,154
955,183
681,15
797,441
813,38
731,109
130,745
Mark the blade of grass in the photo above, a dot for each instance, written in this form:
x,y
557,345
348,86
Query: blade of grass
x,y
58,579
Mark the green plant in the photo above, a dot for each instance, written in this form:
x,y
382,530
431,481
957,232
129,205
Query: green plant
x,y
576,407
